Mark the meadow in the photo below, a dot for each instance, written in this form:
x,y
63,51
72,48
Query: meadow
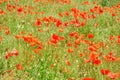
x,y
59,40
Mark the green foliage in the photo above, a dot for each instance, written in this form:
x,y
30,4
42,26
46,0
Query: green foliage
x,y
109,2
45,65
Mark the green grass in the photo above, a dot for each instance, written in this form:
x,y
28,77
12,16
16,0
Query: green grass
x,y
44,65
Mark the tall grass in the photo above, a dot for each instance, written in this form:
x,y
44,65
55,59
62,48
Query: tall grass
x,y
49,41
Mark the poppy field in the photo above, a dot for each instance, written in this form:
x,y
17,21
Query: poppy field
x,y
59,40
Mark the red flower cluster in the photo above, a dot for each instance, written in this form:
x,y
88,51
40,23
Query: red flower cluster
x,y
109,74
14,52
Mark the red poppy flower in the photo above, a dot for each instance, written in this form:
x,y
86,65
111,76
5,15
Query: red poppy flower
x,y
58,23
66,13
9,7
114,14
68,63
104,71
93,56
20,10
93,16
7,31
60,14
112,75
69,43
2,12
92,48
111,37
85,3
19,66
110,57
73,34
70,50
90,35
97,62
17,36
36,50
118,40
38,22
0,38
55,36
77,42
82,24
6,57
55,39
81,55
14,52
